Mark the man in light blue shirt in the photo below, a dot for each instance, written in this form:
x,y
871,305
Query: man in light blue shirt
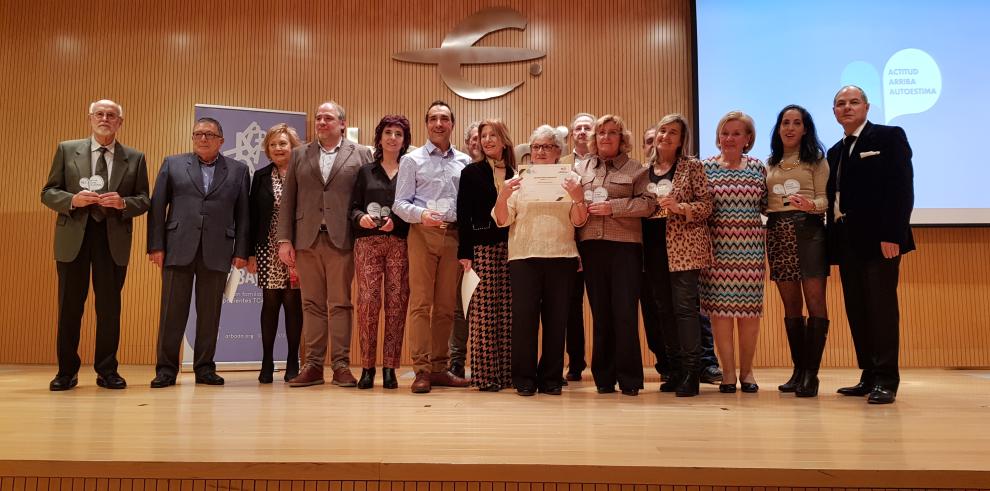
x,y
426,197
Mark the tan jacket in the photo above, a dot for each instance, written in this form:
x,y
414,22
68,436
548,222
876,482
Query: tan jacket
x,y
308,202
688,243
626,182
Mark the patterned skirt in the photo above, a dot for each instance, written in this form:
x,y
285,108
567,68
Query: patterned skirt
x,y
733,285
796,246
490,318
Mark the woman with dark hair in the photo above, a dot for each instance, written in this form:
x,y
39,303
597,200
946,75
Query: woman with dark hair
x,y
543,263
278,282
483,247
797,202
381,262
677,247
611,245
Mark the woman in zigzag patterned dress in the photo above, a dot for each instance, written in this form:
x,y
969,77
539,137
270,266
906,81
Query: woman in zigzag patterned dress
x,y
732,289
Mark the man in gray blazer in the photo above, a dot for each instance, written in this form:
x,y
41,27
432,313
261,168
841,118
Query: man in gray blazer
x,y
315,237
197,229
97,186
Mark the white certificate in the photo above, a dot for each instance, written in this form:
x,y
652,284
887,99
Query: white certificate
x,y
542,182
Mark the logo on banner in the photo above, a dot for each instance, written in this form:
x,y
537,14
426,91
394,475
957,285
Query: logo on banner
x,y
458,49
247,145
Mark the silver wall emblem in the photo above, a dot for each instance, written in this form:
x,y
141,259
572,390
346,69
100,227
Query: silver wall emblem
x,y
458,49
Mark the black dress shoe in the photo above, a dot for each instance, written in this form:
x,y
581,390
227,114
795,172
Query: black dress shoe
x,y
711,375
525,391
112,380
490,388
552,390
749,387
674,380
162,380
727,388
563,381
880,395
860,389
367,378
209,378
266,377
388,378
63,382
606,389
457,369
630,392
573,376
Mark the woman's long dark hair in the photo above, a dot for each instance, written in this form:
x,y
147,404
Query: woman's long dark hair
x,y
811,149
392,120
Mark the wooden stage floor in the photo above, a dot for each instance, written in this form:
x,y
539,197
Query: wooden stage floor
x,y
249,437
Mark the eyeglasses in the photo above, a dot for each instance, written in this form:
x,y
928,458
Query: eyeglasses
x,y
202,134
105,115
541,148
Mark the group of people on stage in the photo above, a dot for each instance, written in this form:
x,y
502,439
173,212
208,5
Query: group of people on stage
x,y
678,237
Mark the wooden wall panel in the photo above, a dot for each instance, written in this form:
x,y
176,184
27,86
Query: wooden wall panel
x,y
160,57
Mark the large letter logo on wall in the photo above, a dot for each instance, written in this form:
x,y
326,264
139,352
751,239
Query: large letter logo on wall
x,y
458,49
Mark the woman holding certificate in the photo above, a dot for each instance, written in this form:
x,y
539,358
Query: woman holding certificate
x,y
610,244
732,289
676,248
543,263
796,178
278,282
381,262
483,247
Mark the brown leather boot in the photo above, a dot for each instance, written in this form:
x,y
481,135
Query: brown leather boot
x,y
310,375
422,383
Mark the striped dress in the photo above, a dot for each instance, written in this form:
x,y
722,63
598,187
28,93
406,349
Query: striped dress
x,y
733,286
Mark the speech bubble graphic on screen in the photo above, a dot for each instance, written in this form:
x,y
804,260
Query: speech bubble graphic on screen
x,y
912,83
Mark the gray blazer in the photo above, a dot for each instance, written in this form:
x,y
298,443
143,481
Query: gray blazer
x,y
184,218
307,201
128,178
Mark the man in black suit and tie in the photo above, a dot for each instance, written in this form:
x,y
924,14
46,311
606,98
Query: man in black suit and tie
x,y
97,186
197,229
870,198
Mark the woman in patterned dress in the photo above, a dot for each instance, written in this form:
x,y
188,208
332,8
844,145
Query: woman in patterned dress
x,y
278,283
797,174
381,262
732,289
484,247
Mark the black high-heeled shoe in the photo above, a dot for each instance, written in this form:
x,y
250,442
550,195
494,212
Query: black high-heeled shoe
x,y
749,387
265,377
388,378
367,378
727,388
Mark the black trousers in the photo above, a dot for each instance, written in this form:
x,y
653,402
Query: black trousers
x,y
273,300
541,289
652,326
575,326
674,298
73,288
612,274
869,287
177,290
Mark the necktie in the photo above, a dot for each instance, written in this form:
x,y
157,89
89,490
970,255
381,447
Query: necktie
x,y
97,211
847,143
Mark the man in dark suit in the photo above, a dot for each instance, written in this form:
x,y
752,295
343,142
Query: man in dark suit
x,y
97,186
315,237
870,198
197,229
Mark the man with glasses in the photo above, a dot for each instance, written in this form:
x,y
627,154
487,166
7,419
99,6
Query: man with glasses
x,y
426,197
315,237
197,230
97,186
